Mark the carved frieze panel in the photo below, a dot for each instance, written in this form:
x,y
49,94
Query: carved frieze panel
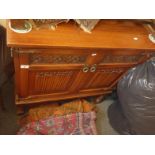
x,y
56,59
121,58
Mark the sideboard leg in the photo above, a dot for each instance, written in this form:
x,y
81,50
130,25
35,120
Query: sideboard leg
x,y
99,99
96,99
20,110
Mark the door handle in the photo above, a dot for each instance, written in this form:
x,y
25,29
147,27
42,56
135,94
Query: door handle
x,y
85,69
93,68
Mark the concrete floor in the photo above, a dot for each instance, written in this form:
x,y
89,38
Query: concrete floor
x,y
8,117
102,122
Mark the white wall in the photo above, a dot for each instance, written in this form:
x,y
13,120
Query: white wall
x,y
3,22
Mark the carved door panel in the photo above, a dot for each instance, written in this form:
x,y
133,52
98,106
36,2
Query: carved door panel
x,y
103,79
51,81
48,73
107,68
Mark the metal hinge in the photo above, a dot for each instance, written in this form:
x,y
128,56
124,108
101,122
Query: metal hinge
x,y
11,52
24,66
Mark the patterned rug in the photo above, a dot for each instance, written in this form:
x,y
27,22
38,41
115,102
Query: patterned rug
x,y
71,124
45,111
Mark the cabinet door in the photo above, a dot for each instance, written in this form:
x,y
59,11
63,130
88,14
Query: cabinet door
x,y
51,81
107,68
47,72
103,79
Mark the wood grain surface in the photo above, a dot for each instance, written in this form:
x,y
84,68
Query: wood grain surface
x,y
107,34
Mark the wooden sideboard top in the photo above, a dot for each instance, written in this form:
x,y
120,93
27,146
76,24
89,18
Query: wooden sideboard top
x,y
107,34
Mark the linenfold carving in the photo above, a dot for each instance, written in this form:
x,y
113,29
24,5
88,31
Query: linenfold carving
x,y
111,70
54,73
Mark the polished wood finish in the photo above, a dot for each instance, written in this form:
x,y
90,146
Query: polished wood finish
x,y
107,34
69,63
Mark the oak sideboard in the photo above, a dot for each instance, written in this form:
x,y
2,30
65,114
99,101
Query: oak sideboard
x,y
69,63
